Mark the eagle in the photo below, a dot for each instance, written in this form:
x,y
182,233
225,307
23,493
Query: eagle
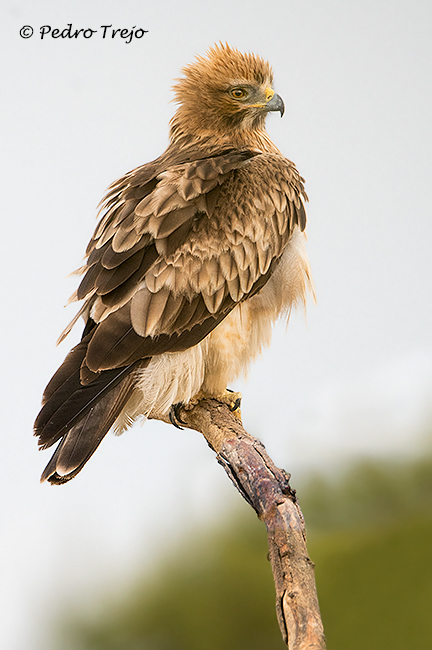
x,y
196,255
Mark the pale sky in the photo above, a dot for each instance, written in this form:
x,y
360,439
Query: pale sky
x,y
355,380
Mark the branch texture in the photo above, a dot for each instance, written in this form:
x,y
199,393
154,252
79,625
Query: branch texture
x,y
266,488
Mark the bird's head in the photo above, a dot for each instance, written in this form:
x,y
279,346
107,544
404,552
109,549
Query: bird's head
x,y
223,95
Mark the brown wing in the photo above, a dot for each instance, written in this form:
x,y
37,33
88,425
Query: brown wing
x,y
173,256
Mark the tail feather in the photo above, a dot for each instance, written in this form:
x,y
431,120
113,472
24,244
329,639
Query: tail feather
x,y
79,414
70,403
67,373
64,383
82,440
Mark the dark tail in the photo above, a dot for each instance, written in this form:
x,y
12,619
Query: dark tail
x,y
80,415
82,440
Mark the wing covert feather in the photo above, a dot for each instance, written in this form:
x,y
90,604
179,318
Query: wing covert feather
x,y
179,246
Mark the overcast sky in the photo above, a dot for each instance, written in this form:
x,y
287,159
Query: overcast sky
x,y
354,380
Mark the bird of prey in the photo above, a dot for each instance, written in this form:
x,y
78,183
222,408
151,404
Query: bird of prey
x,y
196,255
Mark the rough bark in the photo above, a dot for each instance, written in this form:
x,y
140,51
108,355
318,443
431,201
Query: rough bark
x,y
266,488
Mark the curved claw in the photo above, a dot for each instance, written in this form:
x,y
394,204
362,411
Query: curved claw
x,y
174,416
236,405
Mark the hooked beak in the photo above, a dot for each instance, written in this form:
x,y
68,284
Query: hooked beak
x,y
275,104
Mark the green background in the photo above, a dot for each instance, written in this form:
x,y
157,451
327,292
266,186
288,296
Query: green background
x,y
370,536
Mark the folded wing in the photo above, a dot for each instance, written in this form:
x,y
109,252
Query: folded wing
x,y
179,246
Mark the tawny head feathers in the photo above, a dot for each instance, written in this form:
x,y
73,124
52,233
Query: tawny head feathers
x,y
223,94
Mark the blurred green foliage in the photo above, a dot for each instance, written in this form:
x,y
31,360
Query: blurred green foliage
x,y
370,536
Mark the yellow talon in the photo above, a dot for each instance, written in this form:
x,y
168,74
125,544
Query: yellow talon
x,y
228,397
232,400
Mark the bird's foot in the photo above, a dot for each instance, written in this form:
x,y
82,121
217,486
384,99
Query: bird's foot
x,y
174,415
228,397
233,401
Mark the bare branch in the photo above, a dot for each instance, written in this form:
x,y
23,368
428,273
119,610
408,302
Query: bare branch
x,y
266,488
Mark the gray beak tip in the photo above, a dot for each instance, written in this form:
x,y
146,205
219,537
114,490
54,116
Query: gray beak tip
x,y
276,104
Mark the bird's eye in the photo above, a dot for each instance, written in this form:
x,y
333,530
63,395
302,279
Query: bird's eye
x,y
238,93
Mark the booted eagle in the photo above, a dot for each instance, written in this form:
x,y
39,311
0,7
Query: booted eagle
x,y
195,257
